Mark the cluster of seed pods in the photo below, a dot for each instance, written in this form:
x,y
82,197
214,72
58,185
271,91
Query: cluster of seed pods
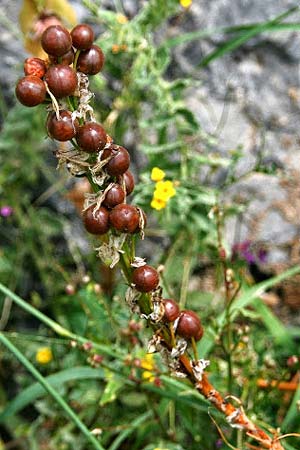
x,y
72,56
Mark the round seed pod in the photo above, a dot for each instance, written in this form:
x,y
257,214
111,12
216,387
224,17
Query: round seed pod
x,y
145,278
61,80
56,40
91,137
124,218
189,325
96,222
30,90
172,310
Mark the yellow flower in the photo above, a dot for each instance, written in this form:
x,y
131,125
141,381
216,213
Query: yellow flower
x,y
164,190
121,19
44,355
148,364
158,204
185,3
148,376
157,174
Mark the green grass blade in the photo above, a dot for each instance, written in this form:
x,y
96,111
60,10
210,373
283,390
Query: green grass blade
x,y
275,327
56,327
47,386
200,34
124,434
236,42
254,292
31,393
247,298
292,414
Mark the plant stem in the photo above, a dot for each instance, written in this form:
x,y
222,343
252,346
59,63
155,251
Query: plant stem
x,y
228,330
57,397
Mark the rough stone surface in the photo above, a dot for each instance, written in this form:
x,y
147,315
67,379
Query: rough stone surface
x,y
250,98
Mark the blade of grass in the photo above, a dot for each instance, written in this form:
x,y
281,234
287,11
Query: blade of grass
x,y
293,413
236,42
124,434
56,396
207,342
56,327
195,35
31,393
275,327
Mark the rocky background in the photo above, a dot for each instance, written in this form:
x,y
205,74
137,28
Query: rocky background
x,y
249,97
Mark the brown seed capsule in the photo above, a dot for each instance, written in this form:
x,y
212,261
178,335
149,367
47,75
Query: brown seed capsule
x,y
114,196
35,66
145,278
62,129
128,180
96,221
30,90
61,80
90,61
189,325
172,310
56,40
119,160
91,137
124,218
65,59
82,36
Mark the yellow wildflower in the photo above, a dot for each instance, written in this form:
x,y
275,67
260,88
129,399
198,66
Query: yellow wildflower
x,y
44,355
185,3
148,364
158,204
121,19
148,376
157,174
164,190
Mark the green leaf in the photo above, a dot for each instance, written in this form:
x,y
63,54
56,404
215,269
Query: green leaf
x,y
36,391
236,42
292,414
195,35
48,388
207,342
112,388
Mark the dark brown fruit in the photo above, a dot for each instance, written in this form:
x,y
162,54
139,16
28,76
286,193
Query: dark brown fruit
x,y
189,325
90,61
97,223
91,137
62,129
65,59
129,181
172,310
30,90
61,80
35,66
56,40
82,36
145,278
124,218
119,162
114,196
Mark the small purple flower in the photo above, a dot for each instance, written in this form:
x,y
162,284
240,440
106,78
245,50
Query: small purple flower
x,y
247,251
219,443
6,211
